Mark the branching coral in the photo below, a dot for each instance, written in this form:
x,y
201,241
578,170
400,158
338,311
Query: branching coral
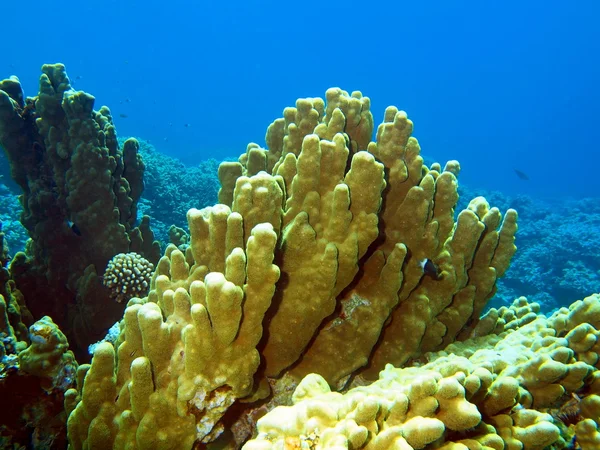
x,y
320,241
80,192
558,259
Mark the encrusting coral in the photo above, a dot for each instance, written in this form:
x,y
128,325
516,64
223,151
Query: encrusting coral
x,y
312,263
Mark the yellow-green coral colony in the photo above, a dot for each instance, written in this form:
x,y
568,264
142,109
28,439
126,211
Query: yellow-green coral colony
x,y
483,393
332,299
318,239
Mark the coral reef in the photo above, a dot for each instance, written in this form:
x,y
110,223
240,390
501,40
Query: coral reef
x,y
311,263
36,368
170,190
128,275
48,357
10,210
14,319
558,259
80,193
173,188
35,371
548,270
333,297
497,391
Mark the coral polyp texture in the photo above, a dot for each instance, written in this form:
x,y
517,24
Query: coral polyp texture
x,y
493,392
128,275
312,263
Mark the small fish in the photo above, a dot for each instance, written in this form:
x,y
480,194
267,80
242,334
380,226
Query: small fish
x,y
521,175
187,125
74,228
430,268
123,116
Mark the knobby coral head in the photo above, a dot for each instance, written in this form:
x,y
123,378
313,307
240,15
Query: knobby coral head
x,y
311,263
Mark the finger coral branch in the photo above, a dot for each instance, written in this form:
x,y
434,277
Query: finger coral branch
x,y
329,254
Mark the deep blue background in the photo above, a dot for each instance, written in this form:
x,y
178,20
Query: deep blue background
x,y
496,85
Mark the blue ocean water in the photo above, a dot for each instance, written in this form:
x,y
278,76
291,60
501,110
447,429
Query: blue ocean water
x,y
497,85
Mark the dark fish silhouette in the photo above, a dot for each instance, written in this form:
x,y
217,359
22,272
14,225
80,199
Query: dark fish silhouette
x,y
124,116
521,175
74,228
430,268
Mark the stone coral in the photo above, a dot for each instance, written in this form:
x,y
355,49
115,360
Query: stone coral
x,y
80,194
494,392
320,241
128,275
36,368
48,357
